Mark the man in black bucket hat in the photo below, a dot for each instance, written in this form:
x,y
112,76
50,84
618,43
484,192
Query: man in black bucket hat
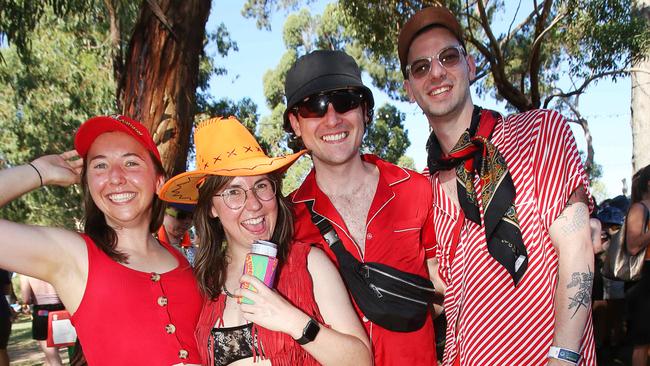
x,y
380,212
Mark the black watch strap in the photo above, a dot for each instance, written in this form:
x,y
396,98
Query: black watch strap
x,y
309,332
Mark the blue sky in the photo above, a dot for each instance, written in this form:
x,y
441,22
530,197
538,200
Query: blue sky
x,y
606,105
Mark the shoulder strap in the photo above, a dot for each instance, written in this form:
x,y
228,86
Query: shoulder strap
x,y
323,225
332,238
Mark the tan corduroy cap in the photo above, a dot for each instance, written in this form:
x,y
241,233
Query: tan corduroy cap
x,y
427,17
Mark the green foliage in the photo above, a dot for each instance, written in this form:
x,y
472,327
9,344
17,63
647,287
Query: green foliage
x,y
18,18
386,136
261,9
274,79
304,33
581,38
44,96
608,33
296,174
245,110
208,64
594,171
544,44
406,161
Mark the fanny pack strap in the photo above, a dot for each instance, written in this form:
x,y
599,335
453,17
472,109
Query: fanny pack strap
x,y
323,225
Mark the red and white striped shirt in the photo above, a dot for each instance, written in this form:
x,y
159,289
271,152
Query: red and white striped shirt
x,y
491,322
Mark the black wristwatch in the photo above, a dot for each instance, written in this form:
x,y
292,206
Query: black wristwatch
x,y
309,333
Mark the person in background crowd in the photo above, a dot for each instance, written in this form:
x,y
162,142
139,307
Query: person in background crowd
x,y
637,238
609,313
175,229
308,318
133,299
380,212
510,210
5,316
44,299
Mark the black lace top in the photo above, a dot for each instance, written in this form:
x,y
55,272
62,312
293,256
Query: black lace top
x,y
232,344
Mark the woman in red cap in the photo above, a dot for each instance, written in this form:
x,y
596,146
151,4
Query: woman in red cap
x,y
134,299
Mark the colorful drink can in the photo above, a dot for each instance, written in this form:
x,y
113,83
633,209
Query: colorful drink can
x,y
262,263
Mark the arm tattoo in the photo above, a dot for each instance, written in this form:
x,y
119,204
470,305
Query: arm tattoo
x,y
576,222
584,282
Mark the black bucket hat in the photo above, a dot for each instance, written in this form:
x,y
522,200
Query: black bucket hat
x,y
322,71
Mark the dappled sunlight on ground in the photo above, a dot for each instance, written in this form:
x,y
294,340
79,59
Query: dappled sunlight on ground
x,y
23,350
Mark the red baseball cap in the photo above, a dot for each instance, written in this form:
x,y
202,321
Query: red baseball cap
x,y
89,130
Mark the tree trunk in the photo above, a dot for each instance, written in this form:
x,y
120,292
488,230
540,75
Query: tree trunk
x,y
161,73
640,108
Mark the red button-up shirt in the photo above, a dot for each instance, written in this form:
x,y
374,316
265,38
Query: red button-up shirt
x,y
399,233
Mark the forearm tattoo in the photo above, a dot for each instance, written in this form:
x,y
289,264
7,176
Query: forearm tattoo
x,y
584,282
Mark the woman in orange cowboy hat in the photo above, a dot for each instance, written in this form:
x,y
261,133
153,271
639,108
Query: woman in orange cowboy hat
x,y
134,299
308,319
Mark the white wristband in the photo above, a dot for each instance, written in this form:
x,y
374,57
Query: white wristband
x,y
564,354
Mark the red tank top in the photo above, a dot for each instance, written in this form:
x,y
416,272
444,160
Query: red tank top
x,y
128,317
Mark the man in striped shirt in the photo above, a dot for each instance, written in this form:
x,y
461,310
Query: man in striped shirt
x,y
510,211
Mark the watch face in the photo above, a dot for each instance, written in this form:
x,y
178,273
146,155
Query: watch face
x,y
309,333
311,330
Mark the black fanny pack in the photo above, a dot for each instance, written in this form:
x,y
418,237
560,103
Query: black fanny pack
x,y
396,300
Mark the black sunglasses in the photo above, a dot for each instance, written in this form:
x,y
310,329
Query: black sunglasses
x,y
315,106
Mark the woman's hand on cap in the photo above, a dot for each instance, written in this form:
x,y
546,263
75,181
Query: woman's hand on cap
x,y
60,169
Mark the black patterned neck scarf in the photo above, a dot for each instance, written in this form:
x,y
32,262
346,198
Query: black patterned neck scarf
x,y
475,153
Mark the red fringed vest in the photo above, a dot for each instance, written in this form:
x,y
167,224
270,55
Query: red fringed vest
x,y
295,284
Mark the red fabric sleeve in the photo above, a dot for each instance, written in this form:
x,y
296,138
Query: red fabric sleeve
x,y
556,165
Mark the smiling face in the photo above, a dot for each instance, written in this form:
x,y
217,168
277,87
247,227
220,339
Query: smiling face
x,y
254,220
333,139
443,92
122,179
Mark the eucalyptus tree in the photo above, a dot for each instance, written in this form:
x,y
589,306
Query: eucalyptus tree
x,y
155,58
524,62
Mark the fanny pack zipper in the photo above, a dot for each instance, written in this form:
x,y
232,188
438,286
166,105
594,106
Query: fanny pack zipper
x,y
368,268
379,290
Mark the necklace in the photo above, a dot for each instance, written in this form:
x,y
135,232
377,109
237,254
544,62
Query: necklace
x,y
228,293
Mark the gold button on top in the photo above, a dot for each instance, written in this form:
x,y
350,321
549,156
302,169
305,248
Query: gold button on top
x,y
162,301
170,328
155,277
183,354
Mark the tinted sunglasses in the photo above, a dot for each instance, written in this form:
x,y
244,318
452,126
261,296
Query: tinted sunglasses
x,y
447,58
315,106
178,214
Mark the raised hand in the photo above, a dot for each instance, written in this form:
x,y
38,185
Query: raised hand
x,y
59,169
270,310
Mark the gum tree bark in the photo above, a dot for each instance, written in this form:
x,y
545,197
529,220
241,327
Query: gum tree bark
x,y
161,70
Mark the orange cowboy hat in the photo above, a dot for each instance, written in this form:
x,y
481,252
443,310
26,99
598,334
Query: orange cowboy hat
x,y
223,147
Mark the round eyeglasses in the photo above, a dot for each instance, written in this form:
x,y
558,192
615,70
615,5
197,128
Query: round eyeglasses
x,y
447,58
235,197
